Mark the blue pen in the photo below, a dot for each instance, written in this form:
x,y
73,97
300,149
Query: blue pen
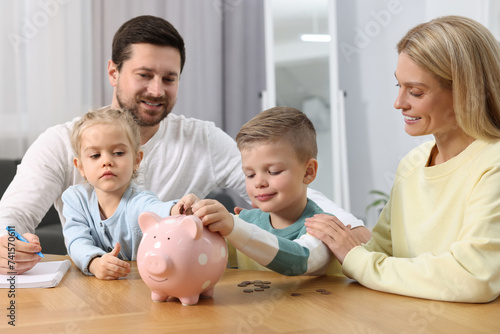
x,y
20,237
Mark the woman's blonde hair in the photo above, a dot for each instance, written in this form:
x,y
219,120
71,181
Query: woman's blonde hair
x,y
464,57
106,116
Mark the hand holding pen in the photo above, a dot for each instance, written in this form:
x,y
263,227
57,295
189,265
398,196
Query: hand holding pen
x,y
14,233
17,257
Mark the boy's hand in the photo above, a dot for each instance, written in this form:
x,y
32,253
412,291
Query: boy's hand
x,y
183,207
109,266
237,209
214,216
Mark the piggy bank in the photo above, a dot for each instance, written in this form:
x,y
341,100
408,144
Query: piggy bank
x,y
179,257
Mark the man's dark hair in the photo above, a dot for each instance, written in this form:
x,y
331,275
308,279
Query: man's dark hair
x,y
145,29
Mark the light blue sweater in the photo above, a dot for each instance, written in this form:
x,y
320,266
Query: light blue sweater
x,y
88,236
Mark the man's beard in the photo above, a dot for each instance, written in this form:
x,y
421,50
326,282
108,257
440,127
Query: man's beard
x,y
132,107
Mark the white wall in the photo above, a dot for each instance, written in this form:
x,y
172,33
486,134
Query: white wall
x,y
45,68
368,31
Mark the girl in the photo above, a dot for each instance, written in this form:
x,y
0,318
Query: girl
x,y
101,230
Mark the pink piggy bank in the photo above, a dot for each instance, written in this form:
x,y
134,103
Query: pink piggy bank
x,y
179,257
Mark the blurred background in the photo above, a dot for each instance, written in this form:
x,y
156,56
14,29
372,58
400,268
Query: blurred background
x,y
243,56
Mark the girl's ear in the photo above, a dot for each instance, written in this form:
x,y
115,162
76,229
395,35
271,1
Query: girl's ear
x,y
311,170
79,166
138,159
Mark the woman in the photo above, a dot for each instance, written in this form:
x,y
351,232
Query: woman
x,y
439,235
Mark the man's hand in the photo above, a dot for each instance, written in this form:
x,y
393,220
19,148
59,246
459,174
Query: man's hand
x,y
183,207
109,266
17,257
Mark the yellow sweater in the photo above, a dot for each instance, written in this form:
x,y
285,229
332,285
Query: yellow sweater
x,y
439,235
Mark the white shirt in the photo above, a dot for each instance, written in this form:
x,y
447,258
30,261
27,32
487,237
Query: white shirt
x,y
184,156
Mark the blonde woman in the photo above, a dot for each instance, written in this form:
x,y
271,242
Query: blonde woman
x,y
439,235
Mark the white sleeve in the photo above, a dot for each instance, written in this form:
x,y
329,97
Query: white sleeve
x,y
330,207
40,180
226,159
304,256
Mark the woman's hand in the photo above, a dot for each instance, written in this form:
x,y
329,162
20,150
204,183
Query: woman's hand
x,y
338,237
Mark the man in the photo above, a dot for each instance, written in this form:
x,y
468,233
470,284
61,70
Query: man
x,y
180,155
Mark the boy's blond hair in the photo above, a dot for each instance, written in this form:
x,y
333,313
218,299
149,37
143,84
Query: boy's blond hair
x,y
281,124
106,116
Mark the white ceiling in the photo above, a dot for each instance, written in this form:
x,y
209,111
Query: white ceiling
x,y
295,17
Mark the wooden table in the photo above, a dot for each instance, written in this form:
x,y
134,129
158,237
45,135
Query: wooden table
x,y
84,304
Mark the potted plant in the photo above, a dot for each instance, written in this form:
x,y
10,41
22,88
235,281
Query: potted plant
x,y
379,202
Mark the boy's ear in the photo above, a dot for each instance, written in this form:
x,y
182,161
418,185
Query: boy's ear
x,y
311,170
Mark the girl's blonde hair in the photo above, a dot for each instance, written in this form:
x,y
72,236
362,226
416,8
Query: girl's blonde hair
x,y
106,116
464,57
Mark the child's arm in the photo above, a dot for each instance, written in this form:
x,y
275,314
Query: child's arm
x,y
79,240
109,266
306,255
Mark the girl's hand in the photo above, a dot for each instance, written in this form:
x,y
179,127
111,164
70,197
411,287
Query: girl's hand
x,y
109,266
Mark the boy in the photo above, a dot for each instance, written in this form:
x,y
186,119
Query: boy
x,y
278,151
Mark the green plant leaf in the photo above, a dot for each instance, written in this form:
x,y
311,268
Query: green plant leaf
x,y
379,202
380,193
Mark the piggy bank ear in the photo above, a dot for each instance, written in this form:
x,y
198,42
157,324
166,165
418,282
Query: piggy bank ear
x,y
148,219
193,225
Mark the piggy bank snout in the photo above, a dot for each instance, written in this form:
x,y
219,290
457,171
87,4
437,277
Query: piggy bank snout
x,y
157,264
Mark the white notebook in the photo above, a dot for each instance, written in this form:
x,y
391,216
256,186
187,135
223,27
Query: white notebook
x,y
43,275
